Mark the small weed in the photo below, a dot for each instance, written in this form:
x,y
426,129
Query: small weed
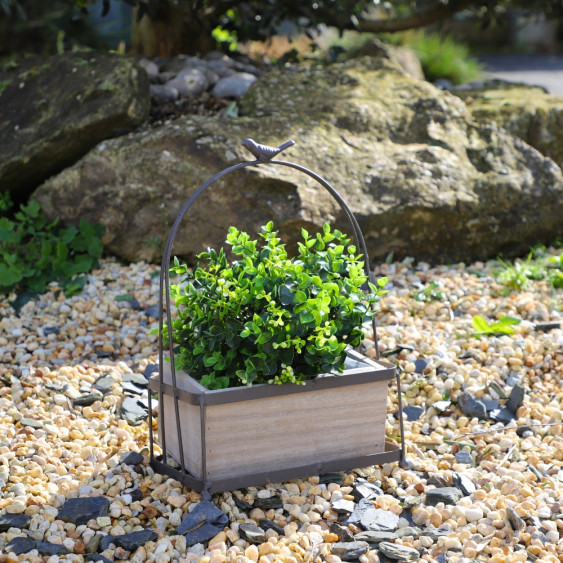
x,y
503,326
432,292
538,266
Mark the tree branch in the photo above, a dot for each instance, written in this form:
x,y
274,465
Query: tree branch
x,y
415,20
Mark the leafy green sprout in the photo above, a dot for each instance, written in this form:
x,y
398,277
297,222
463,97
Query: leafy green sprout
x,y
504,325
432,292
268,318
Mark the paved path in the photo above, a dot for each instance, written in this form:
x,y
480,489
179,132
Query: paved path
x,y
543,70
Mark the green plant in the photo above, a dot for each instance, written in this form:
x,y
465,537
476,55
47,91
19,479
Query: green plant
x,y
432,292
538,266
443,57
503,326
267,318
34,253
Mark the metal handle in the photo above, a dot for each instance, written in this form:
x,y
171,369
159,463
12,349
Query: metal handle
x,y
263,154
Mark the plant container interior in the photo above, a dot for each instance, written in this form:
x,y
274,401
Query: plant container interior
x,y
225,439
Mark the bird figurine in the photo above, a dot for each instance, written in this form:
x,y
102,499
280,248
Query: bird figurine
x,y
264,153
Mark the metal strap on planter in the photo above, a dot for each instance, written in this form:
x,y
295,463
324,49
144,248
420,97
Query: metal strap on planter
x,y
263,154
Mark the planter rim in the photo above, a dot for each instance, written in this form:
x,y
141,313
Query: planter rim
x,y
373,371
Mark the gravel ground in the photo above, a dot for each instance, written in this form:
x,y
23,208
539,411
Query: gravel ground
x,y
480,489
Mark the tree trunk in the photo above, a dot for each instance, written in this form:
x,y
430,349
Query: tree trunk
x,y
172,31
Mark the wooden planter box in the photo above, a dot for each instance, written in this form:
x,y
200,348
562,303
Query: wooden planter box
x,y
265,433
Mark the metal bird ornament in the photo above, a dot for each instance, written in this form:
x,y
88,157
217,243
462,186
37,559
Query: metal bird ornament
x,y
264,153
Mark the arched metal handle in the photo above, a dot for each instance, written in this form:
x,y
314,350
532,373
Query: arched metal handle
x,y
263,154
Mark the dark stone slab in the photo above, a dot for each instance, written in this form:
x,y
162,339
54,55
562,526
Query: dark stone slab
x,y
490,404
472,407
8,521
447,495
398,552
104,384
515,399
80,510
48,549
547,325
437,481
515,521
252,533
370,518
327,478
463,483
464,456
375,537
494,386
150,369
135,378
129,542
268,503
365,490
343,506
133,389
436,533
413,531
32,422
87,399
153,311
413,412
132,458
20,545
266,524
349,551
503,415
343,533
132,412
420,365
242,505
203,523
202,534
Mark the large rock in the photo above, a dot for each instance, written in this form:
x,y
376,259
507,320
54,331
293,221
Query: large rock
x,y
423,178
526,112
53,111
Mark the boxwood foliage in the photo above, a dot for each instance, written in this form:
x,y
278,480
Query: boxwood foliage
x,y
266,317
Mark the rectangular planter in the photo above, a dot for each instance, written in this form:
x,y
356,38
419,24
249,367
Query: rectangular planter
x,y
249,435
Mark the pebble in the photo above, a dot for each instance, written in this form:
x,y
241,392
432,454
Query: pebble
x,y
56,448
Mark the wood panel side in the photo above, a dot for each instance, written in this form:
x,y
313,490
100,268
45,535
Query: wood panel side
x,y
292,430
190,422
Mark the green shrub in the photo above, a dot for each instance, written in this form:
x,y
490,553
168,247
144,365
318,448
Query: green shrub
x,y
266,318
442,57
34,253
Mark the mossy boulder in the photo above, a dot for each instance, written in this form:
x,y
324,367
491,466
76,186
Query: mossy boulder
x,y
54,110
422,176
527,112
